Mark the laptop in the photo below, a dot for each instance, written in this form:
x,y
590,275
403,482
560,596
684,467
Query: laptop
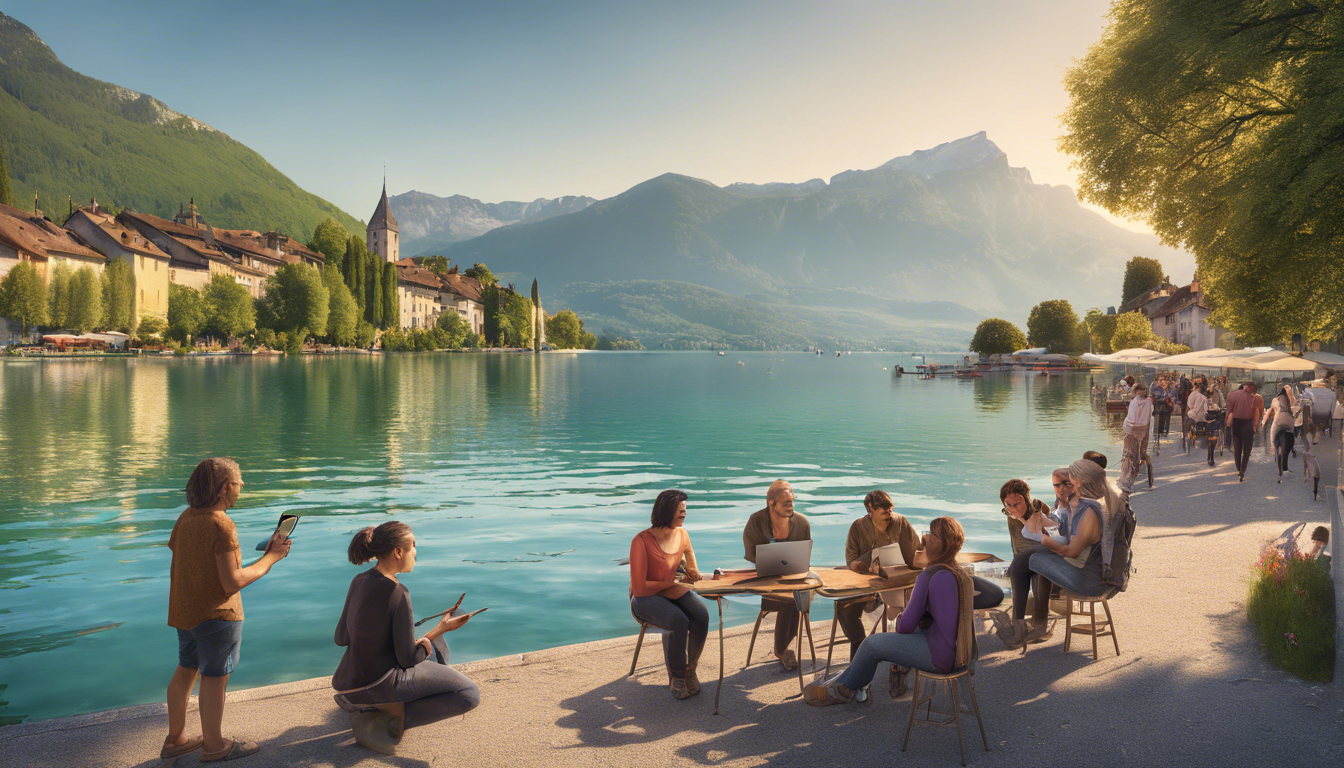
x,y
790,559
889,556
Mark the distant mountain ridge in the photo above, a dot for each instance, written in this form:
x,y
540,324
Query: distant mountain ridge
x,y
430,223
952,226
65,134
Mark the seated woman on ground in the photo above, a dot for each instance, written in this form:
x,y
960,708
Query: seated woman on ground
x,y
658,599
387,680
934,633
1074,564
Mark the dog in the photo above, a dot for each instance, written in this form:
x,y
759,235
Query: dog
x,y
1311,468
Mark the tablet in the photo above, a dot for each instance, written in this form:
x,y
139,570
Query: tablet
x,y
286,526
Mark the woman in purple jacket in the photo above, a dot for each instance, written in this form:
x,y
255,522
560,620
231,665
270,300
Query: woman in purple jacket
x,y
929,646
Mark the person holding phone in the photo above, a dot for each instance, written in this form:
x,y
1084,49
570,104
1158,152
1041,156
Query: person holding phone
x,y
389,680
206,609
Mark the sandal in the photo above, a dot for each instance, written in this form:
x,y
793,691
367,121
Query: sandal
x,y
896,681
237,748
170,751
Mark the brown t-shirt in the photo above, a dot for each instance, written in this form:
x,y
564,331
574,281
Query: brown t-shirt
x,y
195,593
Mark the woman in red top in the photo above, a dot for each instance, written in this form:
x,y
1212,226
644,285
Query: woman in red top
x,y
658,599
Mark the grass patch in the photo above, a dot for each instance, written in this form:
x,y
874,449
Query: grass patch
x,y
1292,610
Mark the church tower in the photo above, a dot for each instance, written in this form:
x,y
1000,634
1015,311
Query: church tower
x,y
382,231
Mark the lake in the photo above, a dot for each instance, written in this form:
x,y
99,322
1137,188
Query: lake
x,y
524,478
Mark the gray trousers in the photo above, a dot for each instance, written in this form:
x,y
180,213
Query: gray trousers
x,y
431,690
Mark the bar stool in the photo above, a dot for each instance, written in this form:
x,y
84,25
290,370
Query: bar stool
x,y
950,679
1094,628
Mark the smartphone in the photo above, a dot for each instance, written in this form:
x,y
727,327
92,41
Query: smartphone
x,y
285,527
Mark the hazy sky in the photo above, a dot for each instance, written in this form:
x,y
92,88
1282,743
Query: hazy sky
x,y
517,101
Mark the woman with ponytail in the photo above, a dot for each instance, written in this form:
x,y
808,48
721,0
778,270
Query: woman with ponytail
x,y
388,680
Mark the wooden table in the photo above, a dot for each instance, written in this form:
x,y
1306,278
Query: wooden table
x,y
747,582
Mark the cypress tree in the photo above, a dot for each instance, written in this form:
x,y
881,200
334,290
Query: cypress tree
x,y
373,289
6,194
391,308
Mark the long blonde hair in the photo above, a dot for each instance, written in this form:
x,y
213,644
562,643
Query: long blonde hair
x,y
1094,484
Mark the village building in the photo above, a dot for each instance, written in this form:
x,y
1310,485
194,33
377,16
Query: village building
x,y
1148,302
30,236
418,295
382,233
462,294
1184,319
149,265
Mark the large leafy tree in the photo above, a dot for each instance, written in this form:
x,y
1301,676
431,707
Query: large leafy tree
x,y
1141,275
564,330
992,337
23,296
1100,329
453,327
391,305
1221,124
482,274
1053,325
439,265
119,296
58,296
228,308
186,312
329,239
344,313
1132,331
297,300
86,300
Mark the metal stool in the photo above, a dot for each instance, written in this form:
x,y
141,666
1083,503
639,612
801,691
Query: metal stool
x,y
1094,628
954,717
643,627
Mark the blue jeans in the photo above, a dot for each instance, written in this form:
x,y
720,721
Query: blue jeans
x,y
1083,581
910,650
211,646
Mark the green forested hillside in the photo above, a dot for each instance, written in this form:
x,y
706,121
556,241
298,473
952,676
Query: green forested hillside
x,y
65,134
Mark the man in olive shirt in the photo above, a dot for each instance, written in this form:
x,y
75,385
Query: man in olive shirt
x,y
880,527
778,522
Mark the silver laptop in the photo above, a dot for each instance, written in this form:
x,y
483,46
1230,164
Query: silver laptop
x,y
890,555
784,558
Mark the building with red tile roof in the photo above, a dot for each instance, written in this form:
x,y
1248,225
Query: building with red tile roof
x,y
149,264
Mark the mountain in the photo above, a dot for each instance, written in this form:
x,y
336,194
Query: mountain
x,y
430,223
65,134
953,226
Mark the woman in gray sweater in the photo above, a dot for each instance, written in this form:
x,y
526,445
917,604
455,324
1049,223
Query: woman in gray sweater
x,y
388,680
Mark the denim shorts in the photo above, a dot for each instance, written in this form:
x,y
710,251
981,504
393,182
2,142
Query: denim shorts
x,y
211,646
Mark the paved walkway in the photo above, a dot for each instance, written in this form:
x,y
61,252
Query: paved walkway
x,y
1190,688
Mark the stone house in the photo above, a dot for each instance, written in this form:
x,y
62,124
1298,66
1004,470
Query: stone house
x,y
1148,302
462,294
1184,319
32,237
418,296
149,265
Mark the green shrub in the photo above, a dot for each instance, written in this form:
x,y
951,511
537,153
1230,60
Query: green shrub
x,y
1292,610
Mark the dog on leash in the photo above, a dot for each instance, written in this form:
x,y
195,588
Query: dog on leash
x,y
1311,468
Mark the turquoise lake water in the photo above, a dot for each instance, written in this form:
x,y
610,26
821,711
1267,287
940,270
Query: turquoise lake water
x,y
524,479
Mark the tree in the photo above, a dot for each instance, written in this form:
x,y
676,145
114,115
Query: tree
x,y
150,328
186,312
1218,125
227,307
1141,275
437,264
86,301
118,297
364,334
356,259
1132,331
6,194
1100,328
618,343
391,306
992,337
296,299
329,239
481,274
373,290
454,327
563,329
1052,324
344,313
58,296
23,296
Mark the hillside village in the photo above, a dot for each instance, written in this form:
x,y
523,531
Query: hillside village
x,y
187,251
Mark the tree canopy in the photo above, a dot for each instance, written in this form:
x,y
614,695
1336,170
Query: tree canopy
x,y
330,239
186,312
1132,331
58,296
118,297
6,192
1219,123
439,265
1053,325
564,330
391,303
482,274
23,296
228,309
343,317
1100,328
997,337
297,300
1141,275
86,301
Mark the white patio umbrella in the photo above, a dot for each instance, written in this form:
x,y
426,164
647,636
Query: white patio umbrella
x,y
1274,361
1327,359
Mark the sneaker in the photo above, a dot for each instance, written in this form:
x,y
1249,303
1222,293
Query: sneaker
x,y
861,695
822,693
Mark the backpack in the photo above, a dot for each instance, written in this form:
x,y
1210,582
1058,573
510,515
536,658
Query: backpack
x,y
1117,538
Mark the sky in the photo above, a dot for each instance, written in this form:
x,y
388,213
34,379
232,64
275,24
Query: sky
x,y
515,101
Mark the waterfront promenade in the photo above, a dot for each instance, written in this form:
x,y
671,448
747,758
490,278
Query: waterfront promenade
x,y
1191,686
